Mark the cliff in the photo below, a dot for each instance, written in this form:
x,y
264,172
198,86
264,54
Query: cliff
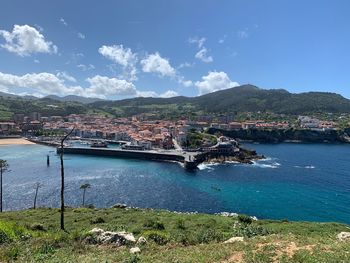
x,y
277,136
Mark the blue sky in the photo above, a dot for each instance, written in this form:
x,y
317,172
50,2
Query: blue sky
x,y
120,49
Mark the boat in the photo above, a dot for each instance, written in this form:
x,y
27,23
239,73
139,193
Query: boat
x,y
99,145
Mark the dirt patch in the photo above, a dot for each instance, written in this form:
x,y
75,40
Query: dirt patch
x,y
237,257
284,248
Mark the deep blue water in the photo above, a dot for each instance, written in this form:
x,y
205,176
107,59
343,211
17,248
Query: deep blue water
x,y
296,182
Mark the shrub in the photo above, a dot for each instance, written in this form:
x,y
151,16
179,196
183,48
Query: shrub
x,y
37,227
251,230
10,232
46,248
12,253
180,224
152,224
4,237
209,235
98,220
186,238
245,219
159,237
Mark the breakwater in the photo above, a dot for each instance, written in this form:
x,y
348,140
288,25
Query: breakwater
x,y
189,160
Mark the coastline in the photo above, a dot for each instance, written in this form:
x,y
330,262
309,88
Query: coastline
x,y
14,141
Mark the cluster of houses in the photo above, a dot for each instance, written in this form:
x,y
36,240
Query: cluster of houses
x,y
307,122
142,130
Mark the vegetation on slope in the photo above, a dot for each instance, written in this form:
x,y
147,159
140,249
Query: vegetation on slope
x,y
246,98
34,236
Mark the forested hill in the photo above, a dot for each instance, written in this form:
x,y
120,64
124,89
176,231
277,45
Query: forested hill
x,y
246,98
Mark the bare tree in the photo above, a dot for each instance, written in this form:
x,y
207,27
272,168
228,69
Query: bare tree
x,y
3,167
36,187
62,177
84,187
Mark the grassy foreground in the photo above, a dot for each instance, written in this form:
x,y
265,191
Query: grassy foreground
x,y
34,236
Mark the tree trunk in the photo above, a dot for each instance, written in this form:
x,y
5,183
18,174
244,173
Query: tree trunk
x,y
62,179
62,186
84,197
1,189
36,194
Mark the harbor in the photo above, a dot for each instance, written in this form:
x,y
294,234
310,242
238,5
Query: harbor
x,y
190,160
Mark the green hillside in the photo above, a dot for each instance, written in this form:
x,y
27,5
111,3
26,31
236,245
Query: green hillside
x,y
246,98
34,236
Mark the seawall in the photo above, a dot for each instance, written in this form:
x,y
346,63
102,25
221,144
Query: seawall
x,y
146,155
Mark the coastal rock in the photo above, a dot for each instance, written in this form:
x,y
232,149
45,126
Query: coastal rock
x,y
227,214
99,236
233,240
141,240
343,236
120,206
135,250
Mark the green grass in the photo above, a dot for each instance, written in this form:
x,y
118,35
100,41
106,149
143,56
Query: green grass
x,y
34,236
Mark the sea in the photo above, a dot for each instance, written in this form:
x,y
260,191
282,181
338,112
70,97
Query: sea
x,y
302,182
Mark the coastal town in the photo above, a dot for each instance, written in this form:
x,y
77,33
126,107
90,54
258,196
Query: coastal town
x,y
145,130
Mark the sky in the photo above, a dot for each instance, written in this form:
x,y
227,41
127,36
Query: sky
x,y
122,49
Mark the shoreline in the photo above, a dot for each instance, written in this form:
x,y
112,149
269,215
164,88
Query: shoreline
x,y
14,141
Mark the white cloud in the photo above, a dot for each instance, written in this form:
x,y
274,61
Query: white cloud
x,y
101,86
66,76
25,40
44,83
169,94
146,94
81,35
36,61
202,53
153,94
214,81
185,65
154,63
186,83
84,67
121,56
63,21
199,41
242,34
203,56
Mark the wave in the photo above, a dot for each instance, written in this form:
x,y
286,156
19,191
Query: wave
x,y
208,166
273,165
305,167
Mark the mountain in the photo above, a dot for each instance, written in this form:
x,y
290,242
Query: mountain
x,y
245,98
8,95
73,98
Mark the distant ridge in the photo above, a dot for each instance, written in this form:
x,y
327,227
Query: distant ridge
x,y
245,98
73,98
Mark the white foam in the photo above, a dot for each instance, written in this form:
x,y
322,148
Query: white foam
x,y
305,167
209,166
273,165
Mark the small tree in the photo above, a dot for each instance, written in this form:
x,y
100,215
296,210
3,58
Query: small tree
x,y
84,187
36,187
3,167
62,178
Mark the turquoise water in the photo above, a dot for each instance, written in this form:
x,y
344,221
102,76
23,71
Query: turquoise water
x,y
295,182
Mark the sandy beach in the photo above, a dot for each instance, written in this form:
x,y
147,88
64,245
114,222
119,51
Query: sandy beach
x,y
12,141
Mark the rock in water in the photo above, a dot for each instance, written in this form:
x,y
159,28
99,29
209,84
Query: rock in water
x,y
343,236
135,250
233,240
